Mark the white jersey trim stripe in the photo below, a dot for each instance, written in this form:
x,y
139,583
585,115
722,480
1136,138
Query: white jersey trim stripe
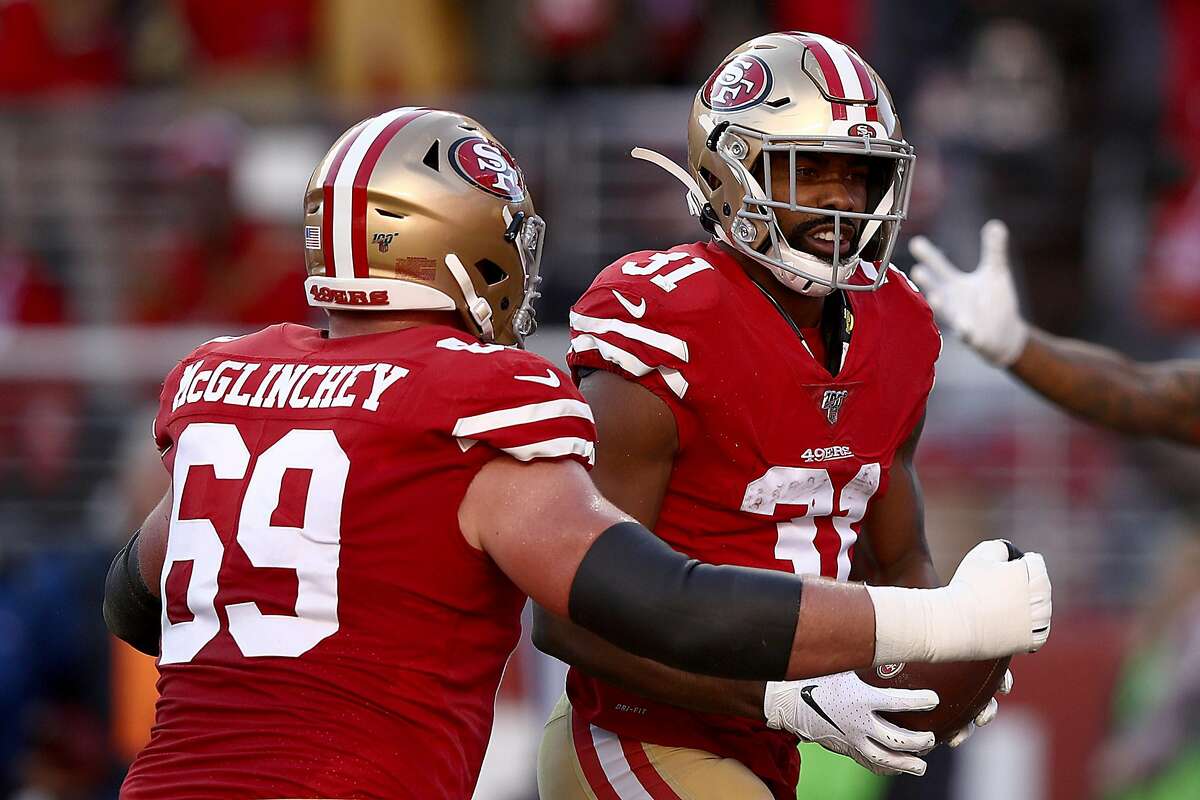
x,y
629,362
611,353
616,767
469,427
675,381
343,189
554,448
657,339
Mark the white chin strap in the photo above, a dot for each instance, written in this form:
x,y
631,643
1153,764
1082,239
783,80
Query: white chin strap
x,y
802,272
798,260
695,198
479,309
791,280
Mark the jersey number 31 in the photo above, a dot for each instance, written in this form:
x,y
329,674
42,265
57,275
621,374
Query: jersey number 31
x,y
798,537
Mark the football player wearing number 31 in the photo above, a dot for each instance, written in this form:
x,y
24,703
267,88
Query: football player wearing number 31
x,y
758,398
334,581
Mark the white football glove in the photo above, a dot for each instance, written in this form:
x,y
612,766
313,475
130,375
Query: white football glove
x,y
979,307
992,607
1008,601
984,717
841,713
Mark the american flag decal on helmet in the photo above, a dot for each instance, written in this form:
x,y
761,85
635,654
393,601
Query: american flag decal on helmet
x,y
312,237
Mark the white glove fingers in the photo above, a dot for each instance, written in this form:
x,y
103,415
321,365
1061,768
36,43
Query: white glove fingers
x,y
1006,684
893,737
994,551
907,700
993,245
882,761
923,277
960,737
1040,606
988,714
927,253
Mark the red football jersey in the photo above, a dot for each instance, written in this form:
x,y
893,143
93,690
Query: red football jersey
x,y
327,630
778,460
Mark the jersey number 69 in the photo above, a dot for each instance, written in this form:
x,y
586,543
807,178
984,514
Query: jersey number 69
x,y
312,550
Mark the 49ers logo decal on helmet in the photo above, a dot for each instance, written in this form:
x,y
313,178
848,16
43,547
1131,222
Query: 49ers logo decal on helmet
x,y
488,166
740,83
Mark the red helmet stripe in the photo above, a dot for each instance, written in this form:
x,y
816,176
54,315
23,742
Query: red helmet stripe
x,y
327,201
832,78
867,85
358,210
342,207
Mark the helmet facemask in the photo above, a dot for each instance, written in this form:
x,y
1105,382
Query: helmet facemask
x,y
528,235
754,229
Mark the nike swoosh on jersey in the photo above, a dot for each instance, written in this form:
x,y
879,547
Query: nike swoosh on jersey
x,y
806,696
549,379
637,311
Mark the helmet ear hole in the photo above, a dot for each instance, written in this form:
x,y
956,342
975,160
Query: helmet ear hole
x,y
711,180
492,272
431,157
504,304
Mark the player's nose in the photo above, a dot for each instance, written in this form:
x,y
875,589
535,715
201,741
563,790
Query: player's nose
x,y
836,195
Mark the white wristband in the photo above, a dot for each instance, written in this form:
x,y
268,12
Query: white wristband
x,y
942,625
995,605
903,618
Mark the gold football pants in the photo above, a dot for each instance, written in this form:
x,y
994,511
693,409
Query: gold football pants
x,y
578,761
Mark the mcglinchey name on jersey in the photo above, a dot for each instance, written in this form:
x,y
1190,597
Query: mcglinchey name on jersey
x,y
296,385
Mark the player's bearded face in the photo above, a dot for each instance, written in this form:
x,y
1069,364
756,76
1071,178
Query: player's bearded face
x,y
834,182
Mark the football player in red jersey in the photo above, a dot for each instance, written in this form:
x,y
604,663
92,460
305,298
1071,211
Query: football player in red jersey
x,y
759,398
334,581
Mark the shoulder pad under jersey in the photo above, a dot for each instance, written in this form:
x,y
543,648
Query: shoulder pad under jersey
x,y
512,400
642,314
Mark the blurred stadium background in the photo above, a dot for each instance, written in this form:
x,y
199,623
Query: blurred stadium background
x,y
152,159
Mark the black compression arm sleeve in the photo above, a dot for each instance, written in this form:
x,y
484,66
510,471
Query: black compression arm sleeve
x,y
732,622
131,612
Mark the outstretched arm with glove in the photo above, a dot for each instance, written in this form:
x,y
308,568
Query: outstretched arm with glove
x,y
1092,382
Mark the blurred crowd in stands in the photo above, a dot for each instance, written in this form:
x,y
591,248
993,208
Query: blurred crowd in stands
x,y
150,153
1070,117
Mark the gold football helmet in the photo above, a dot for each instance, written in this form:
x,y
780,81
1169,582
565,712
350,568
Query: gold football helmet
x,y
776,96
423,209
